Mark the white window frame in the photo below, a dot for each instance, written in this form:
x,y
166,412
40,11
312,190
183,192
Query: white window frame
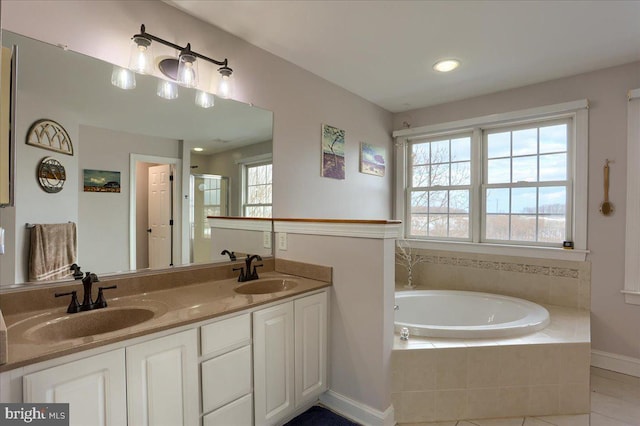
x,y
429,188
244,163
632,241
576,110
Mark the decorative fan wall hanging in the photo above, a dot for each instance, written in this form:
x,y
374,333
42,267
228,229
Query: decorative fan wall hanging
x,y
48,134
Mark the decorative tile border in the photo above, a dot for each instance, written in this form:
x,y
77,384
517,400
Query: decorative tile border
x,y
500,266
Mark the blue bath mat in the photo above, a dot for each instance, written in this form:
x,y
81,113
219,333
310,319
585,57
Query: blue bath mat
x,y
320,416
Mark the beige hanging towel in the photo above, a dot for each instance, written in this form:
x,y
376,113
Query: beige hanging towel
x,y
54,249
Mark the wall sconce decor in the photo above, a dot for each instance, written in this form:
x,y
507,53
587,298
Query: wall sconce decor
x,y
182,70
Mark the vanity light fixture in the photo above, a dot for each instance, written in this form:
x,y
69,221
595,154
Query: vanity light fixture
x,y
446,65
183,70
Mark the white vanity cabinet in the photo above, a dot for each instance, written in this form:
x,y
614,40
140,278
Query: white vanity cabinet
x,y
258,366
162,381
290,352
94,387
226,372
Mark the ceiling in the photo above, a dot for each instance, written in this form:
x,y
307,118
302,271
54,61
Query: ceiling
x,y
384,50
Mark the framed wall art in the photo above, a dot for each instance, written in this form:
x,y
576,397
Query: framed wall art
x,y
101,181
332,152
372,159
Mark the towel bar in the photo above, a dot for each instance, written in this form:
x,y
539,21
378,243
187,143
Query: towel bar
x,y
32,225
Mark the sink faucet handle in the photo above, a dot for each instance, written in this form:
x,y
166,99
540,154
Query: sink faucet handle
x,y
241,277
74,306
77,273
101,302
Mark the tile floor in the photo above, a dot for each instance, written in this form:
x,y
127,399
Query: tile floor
x,y
615,401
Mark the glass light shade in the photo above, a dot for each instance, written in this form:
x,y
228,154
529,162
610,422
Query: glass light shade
x,y
123,78
225,85
204,99
187,70
167,89
141,57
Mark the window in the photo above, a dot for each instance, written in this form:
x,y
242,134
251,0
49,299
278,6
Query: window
x,y
517,178
211,194
525,185
257,179
439,195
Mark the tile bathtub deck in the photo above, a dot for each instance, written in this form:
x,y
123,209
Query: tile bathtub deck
x,y
568,325
615,401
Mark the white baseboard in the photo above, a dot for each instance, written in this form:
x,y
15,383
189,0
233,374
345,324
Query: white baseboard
x,y
618,363
357,411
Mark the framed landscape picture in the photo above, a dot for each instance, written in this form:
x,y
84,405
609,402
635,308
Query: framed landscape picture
x,y
372,159
101,181
332,152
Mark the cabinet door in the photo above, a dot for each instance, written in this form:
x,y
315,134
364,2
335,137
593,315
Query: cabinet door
x,y
310,347
162,381
273,363
94,387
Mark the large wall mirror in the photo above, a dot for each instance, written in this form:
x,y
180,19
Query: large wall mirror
x,y
213,154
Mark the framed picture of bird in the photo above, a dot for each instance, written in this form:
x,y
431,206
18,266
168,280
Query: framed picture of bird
x,y
332,152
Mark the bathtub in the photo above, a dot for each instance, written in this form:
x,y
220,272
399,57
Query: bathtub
x,y
467,314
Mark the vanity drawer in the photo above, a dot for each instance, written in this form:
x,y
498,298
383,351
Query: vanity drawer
x,y
237,413
222,336
226,378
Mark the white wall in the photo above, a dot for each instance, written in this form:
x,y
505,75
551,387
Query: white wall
x,y
301,101
361,311
614,324
98,212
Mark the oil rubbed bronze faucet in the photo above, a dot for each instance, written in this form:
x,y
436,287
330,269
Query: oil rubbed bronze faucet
x,y
87,301
249,275
232,255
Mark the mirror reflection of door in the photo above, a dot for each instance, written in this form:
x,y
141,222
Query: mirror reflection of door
x,y
160,216
209,197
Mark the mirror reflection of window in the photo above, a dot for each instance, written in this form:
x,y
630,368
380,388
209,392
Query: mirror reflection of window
x,y
257,190
209,197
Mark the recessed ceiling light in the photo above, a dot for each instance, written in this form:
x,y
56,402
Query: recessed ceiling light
x,y
446,65
198,149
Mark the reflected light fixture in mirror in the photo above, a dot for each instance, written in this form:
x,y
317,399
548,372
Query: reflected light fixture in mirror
x,y
167,89
123,78
204,99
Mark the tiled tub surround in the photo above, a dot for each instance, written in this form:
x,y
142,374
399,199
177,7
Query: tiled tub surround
x,y
188,295
543,373
544,281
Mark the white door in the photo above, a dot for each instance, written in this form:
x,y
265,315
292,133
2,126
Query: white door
x,y
310,347
160,216
162,381
273,364
94,387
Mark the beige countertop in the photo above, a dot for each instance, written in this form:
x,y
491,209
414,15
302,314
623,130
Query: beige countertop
x,y
171,307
